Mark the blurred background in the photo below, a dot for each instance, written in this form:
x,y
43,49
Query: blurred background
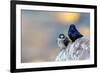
x,y
40,30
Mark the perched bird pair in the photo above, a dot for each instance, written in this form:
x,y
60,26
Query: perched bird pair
x,y
73,34
76,47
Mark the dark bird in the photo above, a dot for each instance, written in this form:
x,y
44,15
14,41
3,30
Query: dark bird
x,y
73,33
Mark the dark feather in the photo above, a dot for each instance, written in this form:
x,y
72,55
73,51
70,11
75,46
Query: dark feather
x,y
66,41
73,33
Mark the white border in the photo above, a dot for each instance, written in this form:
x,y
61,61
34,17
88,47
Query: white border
x,y
51,64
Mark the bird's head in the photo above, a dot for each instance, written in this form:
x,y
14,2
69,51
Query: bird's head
x,y
72,27
62,36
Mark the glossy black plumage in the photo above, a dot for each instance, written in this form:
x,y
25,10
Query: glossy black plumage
x,y
73,33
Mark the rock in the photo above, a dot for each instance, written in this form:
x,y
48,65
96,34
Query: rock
x,y
78,50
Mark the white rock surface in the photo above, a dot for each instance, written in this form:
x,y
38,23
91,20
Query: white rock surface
x,y
78,50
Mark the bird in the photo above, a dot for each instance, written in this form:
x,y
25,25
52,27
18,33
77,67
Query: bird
x,y
73,33
62,41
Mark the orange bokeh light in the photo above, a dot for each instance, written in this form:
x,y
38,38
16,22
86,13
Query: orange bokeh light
x,y
68,17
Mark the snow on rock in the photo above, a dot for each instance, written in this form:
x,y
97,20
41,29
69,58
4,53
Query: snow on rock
x,y
78,50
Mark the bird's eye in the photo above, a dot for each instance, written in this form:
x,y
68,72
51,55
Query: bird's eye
x,y
62,36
